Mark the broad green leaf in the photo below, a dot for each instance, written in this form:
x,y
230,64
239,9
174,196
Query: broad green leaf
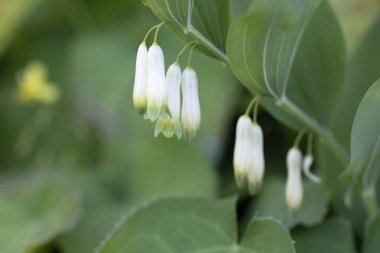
x,y
317,79
363,71
241,7
191,225
318,76
332,236
32,214
271,203
261,47
346,204
266,235
207,22
364,168
13,13
372,235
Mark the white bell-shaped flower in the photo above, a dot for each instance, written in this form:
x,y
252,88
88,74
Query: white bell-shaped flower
x,y
255,173
243,158
307,163
156,94
164,126
173,87
191,112
294,189
140,85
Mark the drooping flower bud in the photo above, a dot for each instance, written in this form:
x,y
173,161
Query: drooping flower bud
x,y
191,113
255,173
140,86
243,158
294,189
307,163
156,94
173,87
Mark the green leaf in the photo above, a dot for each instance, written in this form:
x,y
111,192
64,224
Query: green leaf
x,y
372,235
193,225
365,142
261,47
363,71
332,236
241,7
345,204
13,13
271,203
207,22
317,80
32,214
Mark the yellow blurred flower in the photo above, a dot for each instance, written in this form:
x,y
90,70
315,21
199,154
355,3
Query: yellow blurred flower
x,y
34,86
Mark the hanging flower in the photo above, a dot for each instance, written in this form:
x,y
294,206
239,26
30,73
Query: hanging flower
x,y
156,94
243,159
255,173
140,85
307,163
191,113
173,87
164,126
294,189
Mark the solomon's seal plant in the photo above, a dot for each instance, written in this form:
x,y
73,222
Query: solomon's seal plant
x,y
254,127
290,55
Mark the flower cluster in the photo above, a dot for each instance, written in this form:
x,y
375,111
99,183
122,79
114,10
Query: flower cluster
x,y
33,85
158,96
249,163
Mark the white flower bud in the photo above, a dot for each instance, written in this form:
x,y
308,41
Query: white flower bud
x,y
243,149
156,94
307,162
140,85
173,87
255,173
191,113
294,190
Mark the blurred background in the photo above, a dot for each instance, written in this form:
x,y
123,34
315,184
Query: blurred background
x,y
74,161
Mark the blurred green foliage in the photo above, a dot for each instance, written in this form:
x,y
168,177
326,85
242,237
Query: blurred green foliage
x,y
70,171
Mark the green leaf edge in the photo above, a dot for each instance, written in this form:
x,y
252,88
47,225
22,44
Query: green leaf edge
x,y
148,204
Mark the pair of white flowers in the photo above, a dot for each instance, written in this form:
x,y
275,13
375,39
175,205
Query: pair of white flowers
x,y
296,163
249,163
158,96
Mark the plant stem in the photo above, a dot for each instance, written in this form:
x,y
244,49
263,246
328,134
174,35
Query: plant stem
x,y
249,108
191,55
299,138
208,44
324,133
183,50
157,31
256,109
